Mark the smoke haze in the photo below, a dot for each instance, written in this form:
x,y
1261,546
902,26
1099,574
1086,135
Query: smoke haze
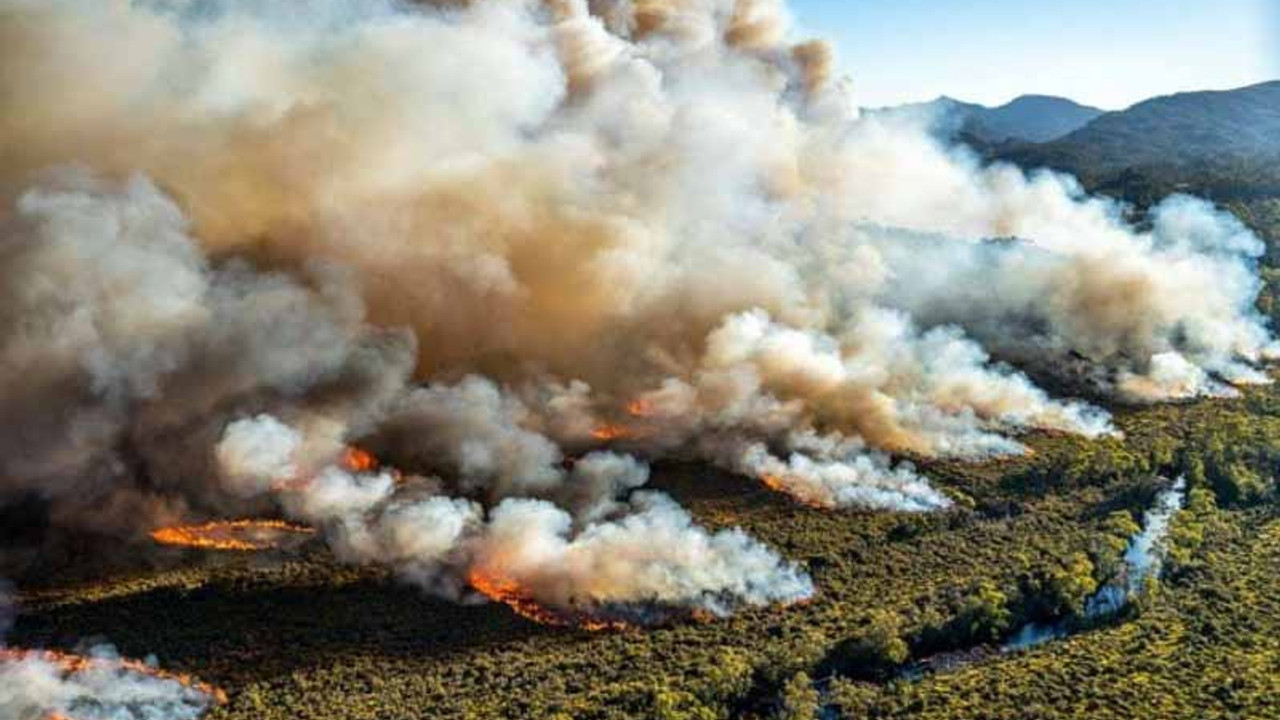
x,y
520,250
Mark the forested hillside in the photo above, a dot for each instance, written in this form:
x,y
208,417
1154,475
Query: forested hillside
x,y
1182,128
1223,144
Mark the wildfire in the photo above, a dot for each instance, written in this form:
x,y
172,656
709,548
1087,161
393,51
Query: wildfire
x,y
778,484
354,459
238,535
640,408
70,665
510,593
358,460
605,433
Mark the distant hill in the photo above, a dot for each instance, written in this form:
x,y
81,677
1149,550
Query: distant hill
x,y
1175,128
1221,143
1029,118
1034,118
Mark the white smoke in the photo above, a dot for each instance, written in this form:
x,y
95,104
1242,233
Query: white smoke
x,y
481,435
256,453
654,554
617,556
1166,313
598,479
35,685
858,479
658,224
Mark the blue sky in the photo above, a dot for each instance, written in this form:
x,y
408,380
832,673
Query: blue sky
x,y
1109,53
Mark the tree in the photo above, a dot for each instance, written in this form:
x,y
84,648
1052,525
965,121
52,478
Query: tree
x,y
800,701
877,648
1186,533
1071,585
1237,482
984,616
677,705
1117,530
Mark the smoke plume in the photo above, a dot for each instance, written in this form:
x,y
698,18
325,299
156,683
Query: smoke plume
x,y
519,250
99,686
623,557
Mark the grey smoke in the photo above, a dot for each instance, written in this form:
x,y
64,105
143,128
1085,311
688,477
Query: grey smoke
x,y
126,351
472,234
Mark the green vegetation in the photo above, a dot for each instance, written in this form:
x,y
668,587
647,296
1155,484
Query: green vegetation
x,y
1221,145
1205,648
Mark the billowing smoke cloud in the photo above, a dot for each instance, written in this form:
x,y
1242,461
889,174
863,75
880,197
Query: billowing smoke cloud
x,y
614,559
1165,313
654,554
126,351
849,478
653,224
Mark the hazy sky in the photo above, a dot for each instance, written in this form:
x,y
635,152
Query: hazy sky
x,y
1109,53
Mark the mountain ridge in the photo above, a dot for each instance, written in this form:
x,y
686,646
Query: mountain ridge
x,y
1219,143
1174,128
1026,118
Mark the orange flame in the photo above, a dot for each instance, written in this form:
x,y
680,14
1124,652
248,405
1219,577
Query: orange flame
x,y
362,461
358,460
776,483
605,433
70,664
354,459
239,535
509,592
640,408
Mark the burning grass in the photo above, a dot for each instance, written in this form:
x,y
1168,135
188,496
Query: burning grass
x,y
613,618
509,592
64,686
779,484
640,410
609,433
233,535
